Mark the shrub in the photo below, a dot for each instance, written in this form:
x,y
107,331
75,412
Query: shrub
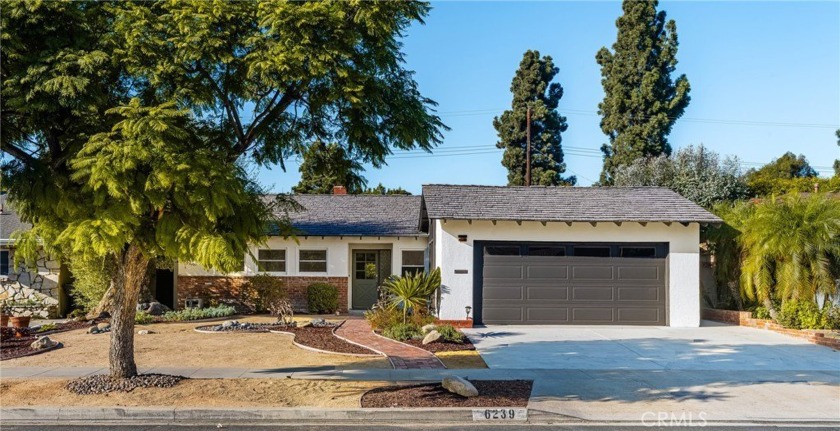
x,y
799,314
831,316
47,327
450,334
322,298
199,313
411,293
261,292
761,312
402,332
421,319
383,315
143,318
91,278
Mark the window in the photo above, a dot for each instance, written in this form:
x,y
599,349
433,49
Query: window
x,y
4,262
535,250
271,260
591,251
366,268
312,261
413,261
501,250
638,251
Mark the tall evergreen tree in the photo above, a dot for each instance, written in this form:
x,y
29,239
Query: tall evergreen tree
x,y
328,165
532,87
129,123
837,162
641,101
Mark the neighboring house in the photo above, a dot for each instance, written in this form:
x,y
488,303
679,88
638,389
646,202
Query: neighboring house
x,y
508,255
20,286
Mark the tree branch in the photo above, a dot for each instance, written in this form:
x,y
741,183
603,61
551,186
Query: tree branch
x,y
19,154
233,116
269,114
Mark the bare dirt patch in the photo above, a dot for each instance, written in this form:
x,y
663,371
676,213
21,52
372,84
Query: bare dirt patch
x,y
193,393
492,393
178,345
461,359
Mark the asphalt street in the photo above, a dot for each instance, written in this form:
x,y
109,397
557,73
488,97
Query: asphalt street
x,y
481,427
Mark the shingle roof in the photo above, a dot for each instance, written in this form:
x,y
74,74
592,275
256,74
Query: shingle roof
x,y
9,220
583,204
357,215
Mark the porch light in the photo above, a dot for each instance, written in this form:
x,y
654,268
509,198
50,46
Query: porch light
x,y
468,308
462,238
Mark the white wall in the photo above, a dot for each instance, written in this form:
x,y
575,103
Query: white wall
x,y
338,255
683,261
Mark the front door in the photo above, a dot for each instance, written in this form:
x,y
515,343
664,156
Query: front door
x,y
370,268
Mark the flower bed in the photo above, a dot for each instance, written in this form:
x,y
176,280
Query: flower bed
x,y
441,345
17,343
492,393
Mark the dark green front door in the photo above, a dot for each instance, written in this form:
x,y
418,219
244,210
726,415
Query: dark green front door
x,y
366,277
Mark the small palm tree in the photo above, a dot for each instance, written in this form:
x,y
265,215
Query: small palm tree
x,y
724,243
791,249
412,292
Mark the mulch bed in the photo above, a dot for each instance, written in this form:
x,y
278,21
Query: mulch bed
x,y
324,339
16,343
101,384
441,346
492,393
72,325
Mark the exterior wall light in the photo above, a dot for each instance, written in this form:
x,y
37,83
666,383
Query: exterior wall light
x,y
468,309
462,238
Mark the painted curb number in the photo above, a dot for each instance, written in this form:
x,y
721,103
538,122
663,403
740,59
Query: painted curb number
x,y
500,414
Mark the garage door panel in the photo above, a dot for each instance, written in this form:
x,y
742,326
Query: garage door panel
x,y
574,290
537,272
548,292
601,272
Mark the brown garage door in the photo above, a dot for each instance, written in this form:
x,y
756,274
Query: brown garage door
x,y
574,284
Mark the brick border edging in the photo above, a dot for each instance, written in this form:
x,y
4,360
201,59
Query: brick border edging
x,y
744,318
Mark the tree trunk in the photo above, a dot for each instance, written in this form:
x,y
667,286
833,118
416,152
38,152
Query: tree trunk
x,y
735,292
106,304
768,304
126,283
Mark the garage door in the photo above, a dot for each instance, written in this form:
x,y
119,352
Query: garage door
x,y
574,284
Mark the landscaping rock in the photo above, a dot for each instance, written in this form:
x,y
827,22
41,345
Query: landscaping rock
x,y
318,323
103,327
157,309
144,332
428,328
43,343
460,386
100,384
93,330
229,323
431,337
143,306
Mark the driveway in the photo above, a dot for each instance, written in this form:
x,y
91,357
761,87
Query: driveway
x,y
713,346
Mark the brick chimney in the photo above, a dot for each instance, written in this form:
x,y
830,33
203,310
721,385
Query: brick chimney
x,y
339,190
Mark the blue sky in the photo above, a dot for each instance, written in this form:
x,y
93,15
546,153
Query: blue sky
x,y
765,79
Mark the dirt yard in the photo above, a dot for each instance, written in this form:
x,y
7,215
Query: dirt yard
x,y
194,393
178,345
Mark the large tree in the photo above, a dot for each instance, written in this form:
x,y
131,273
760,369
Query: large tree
x,y
837,161
328,165
776,176
532,87
641,100
130,124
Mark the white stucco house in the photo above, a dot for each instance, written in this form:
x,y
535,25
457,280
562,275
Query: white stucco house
x,y
508,255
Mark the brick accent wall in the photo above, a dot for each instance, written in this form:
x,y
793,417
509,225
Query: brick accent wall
x,y
457,323
226,289
744,318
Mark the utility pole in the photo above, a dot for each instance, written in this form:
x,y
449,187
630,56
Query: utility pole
x,y
528,147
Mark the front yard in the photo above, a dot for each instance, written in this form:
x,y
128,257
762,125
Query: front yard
x,y
178,344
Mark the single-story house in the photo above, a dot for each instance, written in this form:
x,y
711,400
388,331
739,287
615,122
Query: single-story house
x,y
507,255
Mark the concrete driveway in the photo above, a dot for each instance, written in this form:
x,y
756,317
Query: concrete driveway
x,y
713,346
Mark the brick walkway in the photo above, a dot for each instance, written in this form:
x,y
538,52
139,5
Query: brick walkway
x,y
402,356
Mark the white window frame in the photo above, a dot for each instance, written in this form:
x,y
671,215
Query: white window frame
x,y
421,267
326,260
259,270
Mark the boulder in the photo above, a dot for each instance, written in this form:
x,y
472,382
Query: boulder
x,y
104,326
431,337
93,330
144,332
428,328
460,386
229,323
143,306
318,323
43,343
157,309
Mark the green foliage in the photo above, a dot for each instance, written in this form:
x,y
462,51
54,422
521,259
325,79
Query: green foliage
x,y
411,293
325,166
199,313
143,318
641,102
450,334
322,298
532,87
402,331
47,327
696,173
261,291
382,190
798,314
761,312
91,278
837,162
383,315
769,187
786,174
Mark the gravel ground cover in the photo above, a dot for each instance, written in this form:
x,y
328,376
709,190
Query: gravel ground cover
x,y
492,393
102,384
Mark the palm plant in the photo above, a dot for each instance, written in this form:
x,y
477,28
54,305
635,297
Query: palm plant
x,y
412,292
791,249
724,244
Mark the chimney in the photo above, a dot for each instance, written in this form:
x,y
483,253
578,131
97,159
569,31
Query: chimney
x,y
339,190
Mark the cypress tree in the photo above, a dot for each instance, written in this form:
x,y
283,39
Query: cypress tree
x,y
641,101
532,87
328,165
